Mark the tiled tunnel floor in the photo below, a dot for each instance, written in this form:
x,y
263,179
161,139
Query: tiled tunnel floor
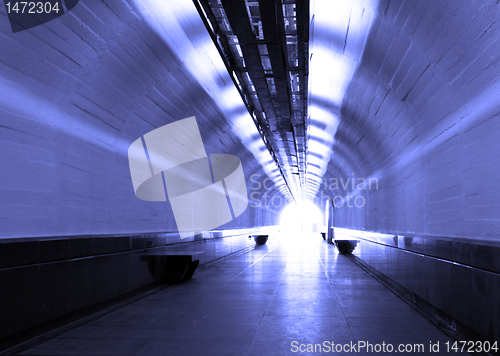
x,y
275,300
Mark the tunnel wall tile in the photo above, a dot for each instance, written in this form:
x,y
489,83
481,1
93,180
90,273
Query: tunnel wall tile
x,y
86,86
66,274
428,69
439,270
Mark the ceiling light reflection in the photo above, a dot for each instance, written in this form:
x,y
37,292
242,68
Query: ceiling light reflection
x,y
338,33
180,26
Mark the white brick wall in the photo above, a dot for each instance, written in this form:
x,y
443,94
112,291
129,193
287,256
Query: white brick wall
x,y
437,164
74,94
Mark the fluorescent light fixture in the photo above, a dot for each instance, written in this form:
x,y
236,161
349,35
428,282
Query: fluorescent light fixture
x,y
179,24
338,33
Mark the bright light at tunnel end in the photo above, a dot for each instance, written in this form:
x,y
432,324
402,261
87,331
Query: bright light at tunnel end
x,y
301,217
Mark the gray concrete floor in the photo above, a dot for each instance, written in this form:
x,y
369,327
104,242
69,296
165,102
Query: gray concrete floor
x,y
291,292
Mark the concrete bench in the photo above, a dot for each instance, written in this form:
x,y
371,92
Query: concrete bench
x,y
345,246
260,239
178,266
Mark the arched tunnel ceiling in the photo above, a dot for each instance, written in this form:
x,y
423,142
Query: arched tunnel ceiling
x,y
338,32
179,25
387,77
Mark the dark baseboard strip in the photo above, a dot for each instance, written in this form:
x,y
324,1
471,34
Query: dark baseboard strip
x,y
453,328
18,343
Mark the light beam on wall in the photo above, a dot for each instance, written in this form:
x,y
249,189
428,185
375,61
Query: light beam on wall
x,y
339,30
179,24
